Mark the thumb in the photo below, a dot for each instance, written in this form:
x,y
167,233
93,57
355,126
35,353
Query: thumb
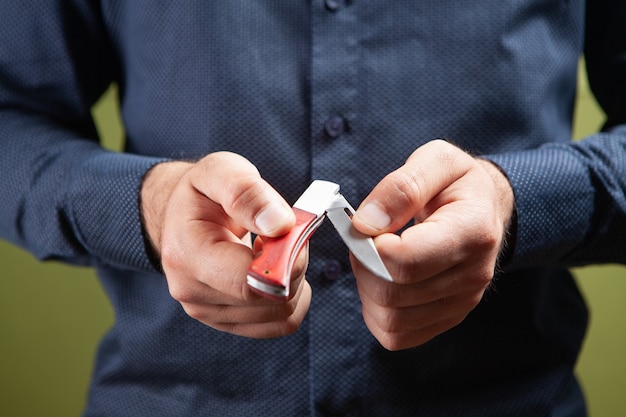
x,y
404,193
236,185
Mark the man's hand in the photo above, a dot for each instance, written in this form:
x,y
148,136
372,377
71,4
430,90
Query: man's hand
x,y
443,263
199,218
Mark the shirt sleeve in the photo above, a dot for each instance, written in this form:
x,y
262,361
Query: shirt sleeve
x,y
571,197
63,196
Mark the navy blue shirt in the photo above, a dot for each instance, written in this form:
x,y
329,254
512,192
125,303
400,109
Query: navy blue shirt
x,y
335,90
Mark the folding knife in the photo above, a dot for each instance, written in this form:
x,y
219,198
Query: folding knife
x,y
269,273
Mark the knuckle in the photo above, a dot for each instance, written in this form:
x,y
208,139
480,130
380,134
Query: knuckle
x,y
465,304
283,326
181,293
481,276
390,341
194,311
283,311
244,293
485,238
170,256
408,185
392,320
446,152
279,312
288,327
405,273
244,192
439,144
217,160
380,293
474,300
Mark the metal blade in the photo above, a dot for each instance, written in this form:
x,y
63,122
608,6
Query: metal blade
x,y
362,246
317,197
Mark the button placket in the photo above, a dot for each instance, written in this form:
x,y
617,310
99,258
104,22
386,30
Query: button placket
x,y
334,85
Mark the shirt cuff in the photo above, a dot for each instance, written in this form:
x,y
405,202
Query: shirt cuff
x,y
105,209
554,204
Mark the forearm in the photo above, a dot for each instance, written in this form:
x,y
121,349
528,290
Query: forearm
x,y
67,198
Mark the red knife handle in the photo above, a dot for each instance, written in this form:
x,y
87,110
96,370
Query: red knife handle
x,y
271,269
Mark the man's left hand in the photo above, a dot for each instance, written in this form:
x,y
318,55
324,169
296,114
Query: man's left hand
x,y
445,261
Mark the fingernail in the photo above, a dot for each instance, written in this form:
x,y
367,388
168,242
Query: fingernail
x,y
372,215
271,218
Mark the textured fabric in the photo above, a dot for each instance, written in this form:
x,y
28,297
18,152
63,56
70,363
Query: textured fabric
x,y
336,90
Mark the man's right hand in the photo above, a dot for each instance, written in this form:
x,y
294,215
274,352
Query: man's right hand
x,y
198,217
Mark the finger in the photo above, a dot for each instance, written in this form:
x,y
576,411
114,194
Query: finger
x,y
406,191
399,341
272,329
459,231
299,269
395,326
200,284
197,246
209,265
235,184
430,248
422,251
408,319
192,291
207,252
449,283
413,318
220,314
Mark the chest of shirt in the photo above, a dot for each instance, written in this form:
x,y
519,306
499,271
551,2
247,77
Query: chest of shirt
x,y
306,88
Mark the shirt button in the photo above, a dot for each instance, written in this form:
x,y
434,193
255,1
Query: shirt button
x,y
333,5
335,126
332,270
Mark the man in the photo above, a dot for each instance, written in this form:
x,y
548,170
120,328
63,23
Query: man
x,y
232,108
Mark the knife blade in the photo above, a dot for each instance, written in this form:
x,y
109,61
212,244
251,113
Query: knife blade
x,y
361,245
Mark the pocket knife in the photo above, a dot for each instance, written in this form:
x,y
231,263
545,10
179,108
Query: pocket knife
x,y
269,273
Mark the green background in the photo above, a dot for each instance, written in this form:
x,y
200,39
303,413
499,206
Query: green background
x,y
52,316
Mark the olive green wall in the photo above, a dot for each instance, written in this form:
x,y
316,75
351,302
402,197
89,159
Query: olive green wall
x,y
602,366
52,316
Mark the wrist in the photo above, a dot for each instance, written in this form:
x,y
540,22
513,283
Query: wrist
x,y
506,199
506,208
156,188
